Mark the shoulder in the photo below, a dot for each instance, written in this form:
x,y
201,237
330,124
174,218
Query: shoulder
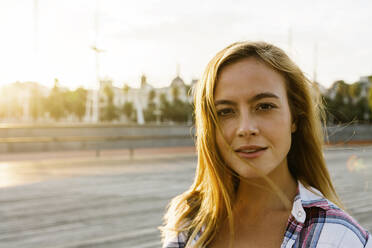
x,y
179,240
175,240
333,227
329,226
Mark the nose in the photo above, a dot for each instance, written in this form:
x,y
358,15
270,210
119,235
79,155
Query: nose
x,y
248,126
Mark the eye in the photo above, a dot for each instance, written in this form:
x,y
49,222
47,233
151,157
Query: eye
x,y
225,112
265,106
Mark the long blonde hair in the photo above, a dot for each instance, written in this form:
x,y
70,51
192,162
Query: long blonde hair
x,y
203,207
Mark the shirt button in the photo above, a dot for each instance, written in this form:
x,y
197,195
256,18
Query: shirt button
x,y
299,214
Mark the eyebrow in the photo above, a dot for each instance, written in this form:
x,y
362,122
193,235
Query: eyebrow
x,y
253,99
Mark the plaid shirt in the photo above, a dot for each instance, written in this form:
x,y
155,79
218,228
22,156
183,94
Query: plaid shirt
x,y
314,222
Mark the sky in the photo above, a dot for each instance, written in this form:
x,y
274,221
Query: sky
x,y
46,39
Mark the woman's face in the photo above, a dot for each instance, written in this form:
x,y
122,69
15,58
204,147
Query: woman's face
x,y
254,116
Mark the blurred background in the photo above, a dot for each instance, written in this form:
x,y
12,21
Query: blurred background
x,y
96,123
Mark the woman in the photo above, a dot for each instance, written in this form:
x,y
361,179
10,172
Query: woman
x,y
261,178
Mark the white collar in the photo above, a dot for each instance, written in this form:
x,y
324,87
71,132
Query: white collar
x,y
304,199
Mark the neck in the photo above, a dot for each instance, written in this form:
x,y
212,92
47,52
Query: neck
x,y
256,198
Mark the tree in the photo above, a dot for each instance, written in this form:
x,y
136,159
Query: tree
x,y
151,96
36,104
181,112
80,107
340,109
109,93
188,90
55,103
77,102
128,110
175,93
178,111
361,109
3,110
355,90
126,89
370,99
149,112
15,110
68,98
165,108
109,112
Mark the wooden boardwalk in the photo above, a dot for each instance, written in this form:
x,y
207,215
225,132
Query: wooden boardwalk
x,y
120,203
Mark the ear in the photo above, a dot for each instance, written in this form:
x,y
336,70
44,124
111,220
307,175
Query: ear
x,y
293,127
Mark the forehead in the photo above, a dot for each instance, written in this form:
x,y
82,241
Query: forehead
x,y
248,77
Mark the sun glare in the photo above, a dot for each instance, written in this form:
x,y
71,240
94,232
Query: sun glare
x,y
355,164
7,176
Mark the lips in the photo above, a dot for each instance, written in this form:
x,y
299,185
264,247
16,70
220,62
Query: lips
x,y
250,151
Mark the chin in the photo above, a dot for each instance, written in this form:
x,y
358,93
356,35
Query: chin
x,y
248,173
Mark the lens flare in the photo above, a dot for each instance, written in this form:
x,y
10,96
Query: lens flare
x,y
355,164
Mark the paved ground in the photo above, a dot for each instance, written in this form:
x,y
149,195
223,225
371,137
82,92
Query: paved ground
x,y
114,201
92,154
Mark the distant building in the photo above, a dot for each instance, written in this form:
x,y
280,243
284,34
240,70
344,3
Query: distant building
x,y
15,100
365,85
138,96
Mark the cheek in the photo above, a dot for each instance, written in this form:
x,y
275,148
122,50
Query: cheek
x,y
223,144
277,131
283,132
223,147
220,140
225,138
